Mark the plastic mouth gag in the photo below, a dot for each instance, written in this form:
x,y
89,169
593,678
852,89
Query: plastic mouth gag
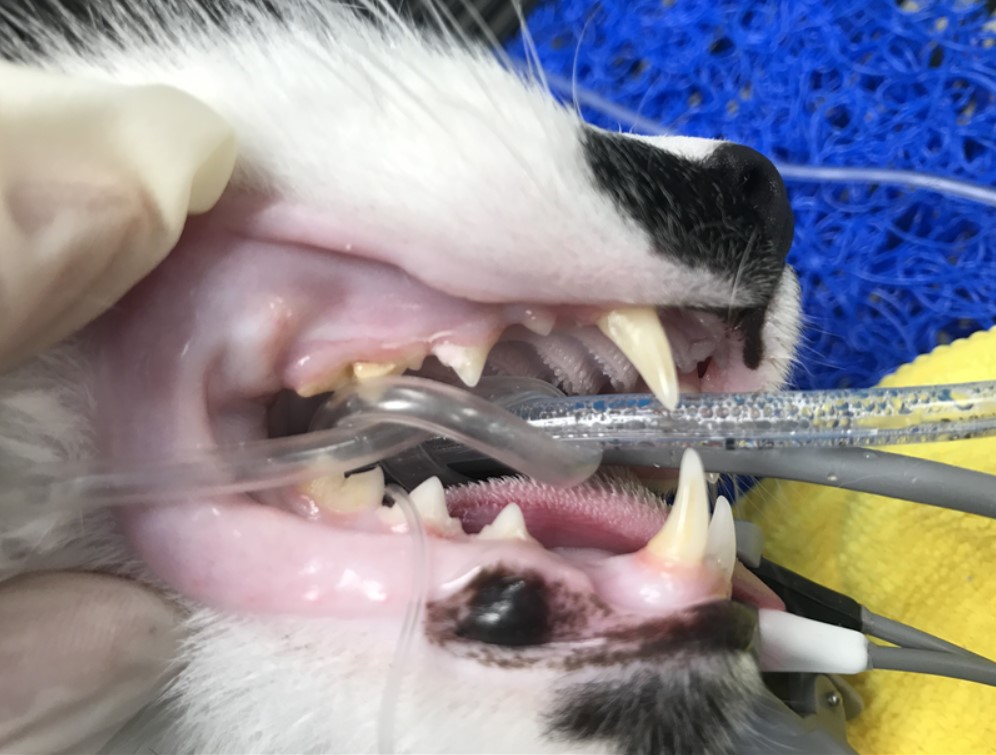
x,y
420,427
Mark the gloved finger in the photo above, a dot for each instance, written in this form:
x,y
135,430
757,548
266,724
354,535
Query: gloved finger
x,y
96,182
80,654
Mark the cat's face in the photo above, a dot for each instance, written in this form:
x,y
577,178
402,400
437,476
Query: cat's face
x,y
404,205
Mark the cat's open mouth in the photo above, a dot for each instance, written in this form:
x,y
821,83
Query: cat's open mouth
x,y
221,344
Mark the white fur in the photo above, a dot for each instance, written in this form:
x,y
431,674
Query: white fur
x,y
389,115
490,179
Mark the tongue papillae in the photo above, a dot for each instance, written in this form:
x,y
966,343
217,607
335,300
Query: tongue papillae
x,y
190,359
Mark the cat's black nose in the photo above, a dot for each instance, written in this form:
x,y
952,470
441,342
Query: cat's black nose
x,y
754,178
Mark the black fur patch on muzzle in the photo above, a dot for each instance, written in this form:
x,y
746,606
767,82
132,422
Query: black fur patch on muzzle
x,y
728,213
691,690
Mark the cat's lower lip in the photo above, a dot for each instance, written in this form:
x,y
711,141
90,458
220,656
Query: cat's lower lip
x,y
239,556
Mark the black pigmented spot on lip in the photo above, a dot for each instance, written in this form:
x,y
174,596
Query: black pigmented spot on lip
x,y
507,609
506,618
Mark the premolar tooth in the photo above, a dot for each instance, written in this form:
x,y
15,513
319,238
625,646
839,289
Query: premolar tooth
x,y
721,542
328,384
538,321
639,334
430,500
466,361
346,495
508,525
363,371
682,539
414,360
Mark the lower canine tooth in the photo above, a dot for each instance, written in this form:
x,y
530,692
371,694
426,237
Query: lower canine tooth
x,y
721,543
466,361
508,525
346,495
638,333
682,539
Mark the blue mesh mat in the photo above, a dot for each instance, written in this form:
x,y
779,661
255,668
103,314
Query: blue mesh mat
x,y
887,273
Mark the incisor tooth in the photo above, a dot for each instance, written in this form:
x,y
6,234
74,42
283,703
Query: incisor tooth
x,y
466,361
347,495
721,543
508,525
682,539
369,370
638,333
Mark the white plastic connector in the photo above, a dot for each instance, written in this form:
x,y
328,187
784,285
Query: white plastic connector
x,y
794,643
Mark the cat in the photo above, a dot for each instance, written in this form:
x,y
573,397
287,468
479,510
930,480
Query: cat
x,y
405,202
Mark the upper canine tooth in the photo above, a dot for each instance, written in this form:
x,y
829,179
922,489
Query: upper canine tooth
x,y
683,538
721,543
346,495
466,361
508,525
639,334
369,370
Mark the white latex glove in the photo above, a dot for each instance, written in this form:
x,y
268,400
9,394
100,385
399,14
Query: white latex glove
x,y
80,654
96,183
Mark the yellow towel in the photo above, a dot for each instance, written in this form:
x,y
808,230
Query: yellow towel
x,y
932,568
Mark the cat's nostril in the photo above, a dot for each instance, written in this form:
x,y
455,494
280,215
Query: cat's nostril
x,y
754,178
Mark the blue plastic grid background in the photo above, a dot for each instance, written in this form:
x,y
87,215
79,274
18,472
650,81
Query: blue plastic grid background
x,y
887,273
